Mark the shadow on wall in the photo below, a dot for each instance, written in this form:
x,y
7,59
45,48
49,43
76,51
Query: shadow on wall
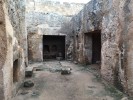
x,y
16,71
93,47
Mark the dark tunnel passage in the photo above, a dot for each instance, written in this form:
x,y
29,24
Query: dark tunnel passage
x,y
96,47
53,47
93,47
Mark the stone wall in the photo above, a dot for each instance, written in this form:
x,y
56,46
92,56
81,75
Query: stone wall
x,y
48,6
114,19
49,15
35,47
3,48
89,19
46,18
117,45
13,38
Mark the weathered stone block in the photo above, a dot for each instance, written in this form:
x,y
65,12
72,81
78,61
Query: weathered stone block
x,y
66,71
28,72
28,84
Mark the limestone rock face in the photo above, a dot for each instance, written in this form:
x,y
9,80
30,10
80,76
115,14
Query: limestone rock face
x,y
44,22
46,18
114,19
87,20
48,6
116,60
13,48
49,15
3,47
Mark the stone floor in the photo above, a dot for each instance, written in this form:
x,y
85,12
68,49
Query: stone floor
x,y
84,83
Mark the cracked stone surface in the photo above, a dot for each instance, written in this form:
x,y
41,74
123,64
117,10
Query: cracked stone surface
x,y
83,84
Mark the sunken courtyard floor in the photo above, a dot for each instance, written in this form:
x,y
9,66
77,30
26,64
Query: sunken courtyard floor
x,y
84,83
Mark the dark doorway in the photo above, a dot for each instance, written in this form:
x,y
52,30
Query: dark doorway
x,y
96,47
53,47
46,49
15,71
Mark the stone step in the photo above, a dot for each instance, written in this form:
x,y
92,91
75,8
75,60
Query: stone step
x,y
29,71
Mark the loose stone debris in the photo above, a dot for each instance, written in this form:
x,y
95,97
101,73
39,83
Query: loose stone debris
x,y
28,72
124,98
66,71
28,84
81,85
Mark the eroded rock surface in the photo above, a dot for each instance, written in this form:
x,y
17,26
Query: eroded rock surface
x,y
114,19
13,48
46,18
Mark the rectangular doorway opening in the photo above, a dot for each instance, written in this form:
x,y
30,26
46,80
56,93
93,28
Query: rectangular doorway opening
x,y
93,47
96,47
15,71
53,47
